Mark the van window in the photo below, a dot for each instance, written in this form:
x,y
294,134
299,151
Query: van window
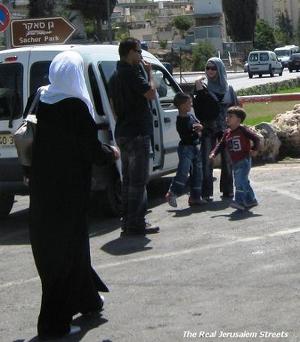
x,y
11,91
39,75
264,57
282,53
165,85
95,91
253,57
106,69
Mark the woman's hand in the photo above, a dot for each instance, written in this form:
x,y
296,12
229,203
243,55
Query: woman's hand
x,y
199,84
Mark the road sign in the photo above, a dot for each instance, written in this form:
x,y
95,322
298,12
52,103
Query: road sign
x,y
56,30
4,18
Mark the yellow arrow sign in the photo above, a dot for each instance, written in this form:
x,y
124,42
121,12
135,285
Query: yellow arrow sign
x,y
39,31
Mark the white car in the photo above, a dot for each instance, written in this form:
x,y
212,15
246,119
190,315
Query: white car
x,y
262,63
25,69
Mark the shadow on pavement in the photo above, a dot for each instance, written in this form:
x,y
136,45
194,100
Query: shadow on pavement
x,y
86,324
125,246
211,206
239,215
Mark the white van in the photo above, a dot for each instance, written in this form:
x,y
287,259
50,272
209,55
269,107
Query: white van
x,y
284,53
263,62
25,69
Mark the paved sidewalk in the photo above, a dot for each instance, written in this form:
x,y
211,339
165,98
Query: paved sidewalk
x,y
212,274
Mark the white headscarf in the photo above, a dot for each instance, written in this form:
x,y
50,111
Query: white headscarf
x,y
67,80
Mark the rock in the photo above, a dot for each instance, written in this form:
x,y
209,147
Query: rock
x,y
270,142
288,130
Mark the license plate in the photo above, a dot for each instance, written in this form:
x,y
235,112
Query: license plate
x,y
6,140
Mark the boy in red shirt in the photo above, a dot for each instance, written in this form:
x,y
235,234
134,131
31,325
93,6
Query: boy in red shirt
x,y
237,139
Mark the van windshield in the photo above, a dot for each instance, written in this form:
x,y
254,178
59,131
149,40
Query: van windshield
x,y
11,91
282,53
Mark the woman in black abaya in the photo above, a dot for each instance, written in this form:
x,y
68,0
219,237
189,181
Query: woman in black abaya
x,y
65,147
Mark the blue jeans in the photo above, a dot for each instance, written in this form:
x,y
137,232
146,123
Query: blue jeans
x,y
190,162
244,194
135,153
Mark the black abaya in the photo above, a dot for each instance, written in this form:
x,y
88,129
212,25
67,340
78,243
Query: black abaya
x,y
65,147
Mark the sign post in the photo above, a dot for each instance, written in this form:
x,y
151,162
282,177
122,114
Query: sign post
x,y
56,30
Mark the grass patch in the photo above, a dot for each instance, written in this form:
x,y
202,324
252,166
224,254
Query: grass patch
x,y
265,111
288,90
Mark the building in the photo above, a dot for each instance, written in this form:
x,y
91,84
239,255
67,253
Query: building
x,y
209,23
268,10
151,20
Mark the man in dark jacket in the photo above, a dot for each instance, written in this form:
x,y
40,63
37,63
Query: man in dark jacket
x,y
130,93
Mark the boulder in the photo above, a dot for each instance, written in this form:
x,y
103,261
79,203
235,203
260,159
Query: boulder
x,y
269,142
287,126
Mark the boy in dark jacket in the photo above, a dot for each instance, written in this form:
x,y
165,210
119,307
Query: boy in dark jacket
x,y
189,148
237,139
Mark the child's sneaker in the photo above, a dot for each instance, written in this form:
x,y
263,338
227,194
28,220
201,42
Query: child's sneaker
x,y
251,204
171,198
236,205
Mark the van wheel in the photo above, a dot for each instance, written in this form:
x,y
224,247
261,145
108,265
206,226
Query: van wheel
x,y
260,75
6,203
271,71
280,74
250,74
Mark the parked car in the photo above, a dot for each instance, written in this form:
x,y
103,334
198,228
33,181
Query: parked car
x,y
263,62
294,62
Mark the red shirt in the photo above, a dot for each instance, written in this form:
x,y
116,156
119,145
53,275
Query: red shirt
x,y
238,143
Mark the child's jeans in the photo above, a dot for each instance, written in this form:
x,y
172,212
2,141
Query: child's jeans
x,y
190,162
244,194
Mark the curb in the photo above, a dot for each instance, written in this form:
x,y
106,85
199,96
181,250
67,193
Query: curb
x,y
269,97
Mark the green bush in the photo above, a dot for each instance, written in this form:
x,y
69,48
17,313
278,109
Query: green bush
x,y
163,43
269,88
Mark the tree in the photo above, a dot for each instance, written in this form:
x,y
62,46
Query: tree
x,y
201,53
96,10
264,38
298,32
284,30
240,16
41,8
182,23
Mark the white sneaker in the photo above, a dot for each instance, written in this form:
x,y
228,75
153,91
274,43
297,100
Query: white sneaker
x,y
171,198
74,329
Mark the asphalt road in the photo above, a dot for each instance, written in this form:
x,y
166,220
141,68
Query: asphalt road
x,y
241,80
210,275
